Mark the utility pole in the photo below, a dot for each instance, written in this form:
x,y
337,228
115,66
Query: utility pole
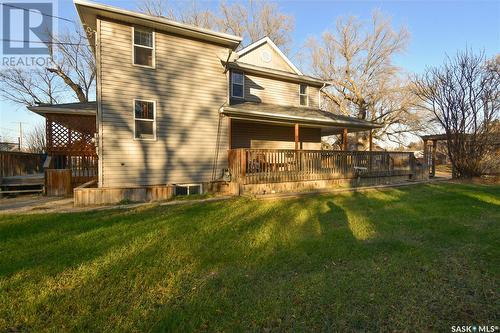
x,y
20,140
20,135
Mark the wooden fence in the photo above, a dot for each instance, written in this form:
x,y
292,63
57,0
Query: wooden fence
x,y
20,164
258,166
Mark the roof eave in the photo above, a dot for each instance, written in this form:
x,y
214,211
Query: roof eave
x,y
93,10
275,73
43,110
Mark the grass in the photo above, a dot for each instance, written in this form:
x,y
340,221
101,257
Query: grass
x,y
418,258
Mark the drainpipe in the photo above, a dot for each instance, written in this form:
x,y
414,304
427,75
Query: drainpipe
x,y
319,93
227,61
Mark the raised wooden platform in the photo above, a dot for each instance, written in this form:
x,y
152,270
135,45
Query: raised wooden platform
x,y
89,196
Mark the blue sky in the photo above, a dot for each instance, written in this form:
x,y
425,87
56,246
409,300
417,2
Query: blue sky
x,y
437,28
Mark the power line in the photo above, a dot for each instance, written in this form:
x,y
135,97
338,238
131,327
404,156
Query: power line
x,y
7,129
38,12
40,42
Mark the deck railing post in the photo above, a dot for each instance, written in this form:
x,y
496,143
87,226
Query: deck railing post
x,y
243,159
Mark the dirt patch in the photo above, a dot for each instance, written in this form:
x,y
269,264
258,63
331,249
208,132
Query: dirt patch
x,y
33,203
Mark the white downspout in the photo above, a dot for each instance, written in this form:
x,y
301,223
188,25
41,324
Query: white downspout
x,y
319,94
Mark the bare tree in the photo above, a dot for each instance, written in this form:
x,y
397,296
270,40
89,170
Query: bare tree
x,y
156,8
30,86
251,20
35,140
190,12
255,20
71,67
357,59
72,60
463,95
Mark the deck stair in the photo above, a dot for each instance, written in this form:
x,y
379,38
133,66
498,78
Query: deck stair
x,y
22,184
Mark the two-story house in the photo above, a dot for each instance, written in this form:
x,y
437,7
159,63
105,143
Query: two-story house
x,y
174,100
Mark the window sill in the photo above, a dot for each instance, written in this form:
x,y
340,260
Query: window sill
x,y
144,66
138,139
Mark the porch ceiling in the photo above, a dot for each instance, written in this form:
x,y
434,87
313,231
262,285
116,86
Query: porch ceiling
x,y
330,123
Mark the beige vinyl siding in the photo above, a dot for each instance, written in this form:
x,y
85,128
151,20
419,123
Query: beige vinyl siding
x,y
254,57
245,134
189,87
313,93
261,89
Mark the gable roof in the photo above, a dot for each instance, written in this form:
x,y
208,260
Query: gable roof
x,y
89,12
267,40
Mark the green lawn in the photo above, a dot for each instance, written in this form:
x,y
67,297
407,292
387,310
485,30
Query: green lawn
x,y
412,259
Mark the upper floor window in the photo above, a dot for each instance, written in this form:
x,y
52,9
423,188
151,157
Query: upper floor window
x,y
237,84
143,43
144,120
304,99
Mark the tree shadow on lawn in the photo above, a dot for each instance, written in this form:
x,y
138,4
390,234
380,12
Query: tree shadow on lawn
x,y
337,281
328,262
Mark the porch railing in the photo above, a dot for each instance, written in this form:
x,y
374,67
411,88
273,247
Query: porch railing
x,y
257,166
82,168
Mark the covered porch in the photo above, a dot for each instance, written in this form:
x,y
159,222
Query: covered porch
x,y
271,144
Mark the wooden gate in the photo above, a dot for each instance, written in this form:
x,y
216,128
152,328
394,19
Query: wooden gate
x,y
58,182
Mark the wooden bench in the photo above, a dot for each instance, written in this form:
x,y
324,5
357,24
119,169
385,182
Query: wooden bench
x,y
22,184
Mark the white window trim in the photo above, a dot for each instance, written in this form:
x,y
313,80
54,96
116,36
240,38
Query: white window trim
x,y
140,119
146,47
188,185
306,94
243,85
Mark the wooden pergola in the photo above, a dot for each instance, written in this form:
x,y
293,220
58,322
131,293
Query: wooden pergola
x,y
430,150
70,136
70,131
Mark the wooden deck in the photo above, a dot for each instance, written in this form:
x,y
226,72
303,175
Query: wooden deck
x,y
262,166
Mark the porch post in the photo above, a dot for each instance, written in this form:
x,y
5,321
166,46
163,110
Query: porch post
x,y
344,139
426,156
296,136
371,140
230,133
434,149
